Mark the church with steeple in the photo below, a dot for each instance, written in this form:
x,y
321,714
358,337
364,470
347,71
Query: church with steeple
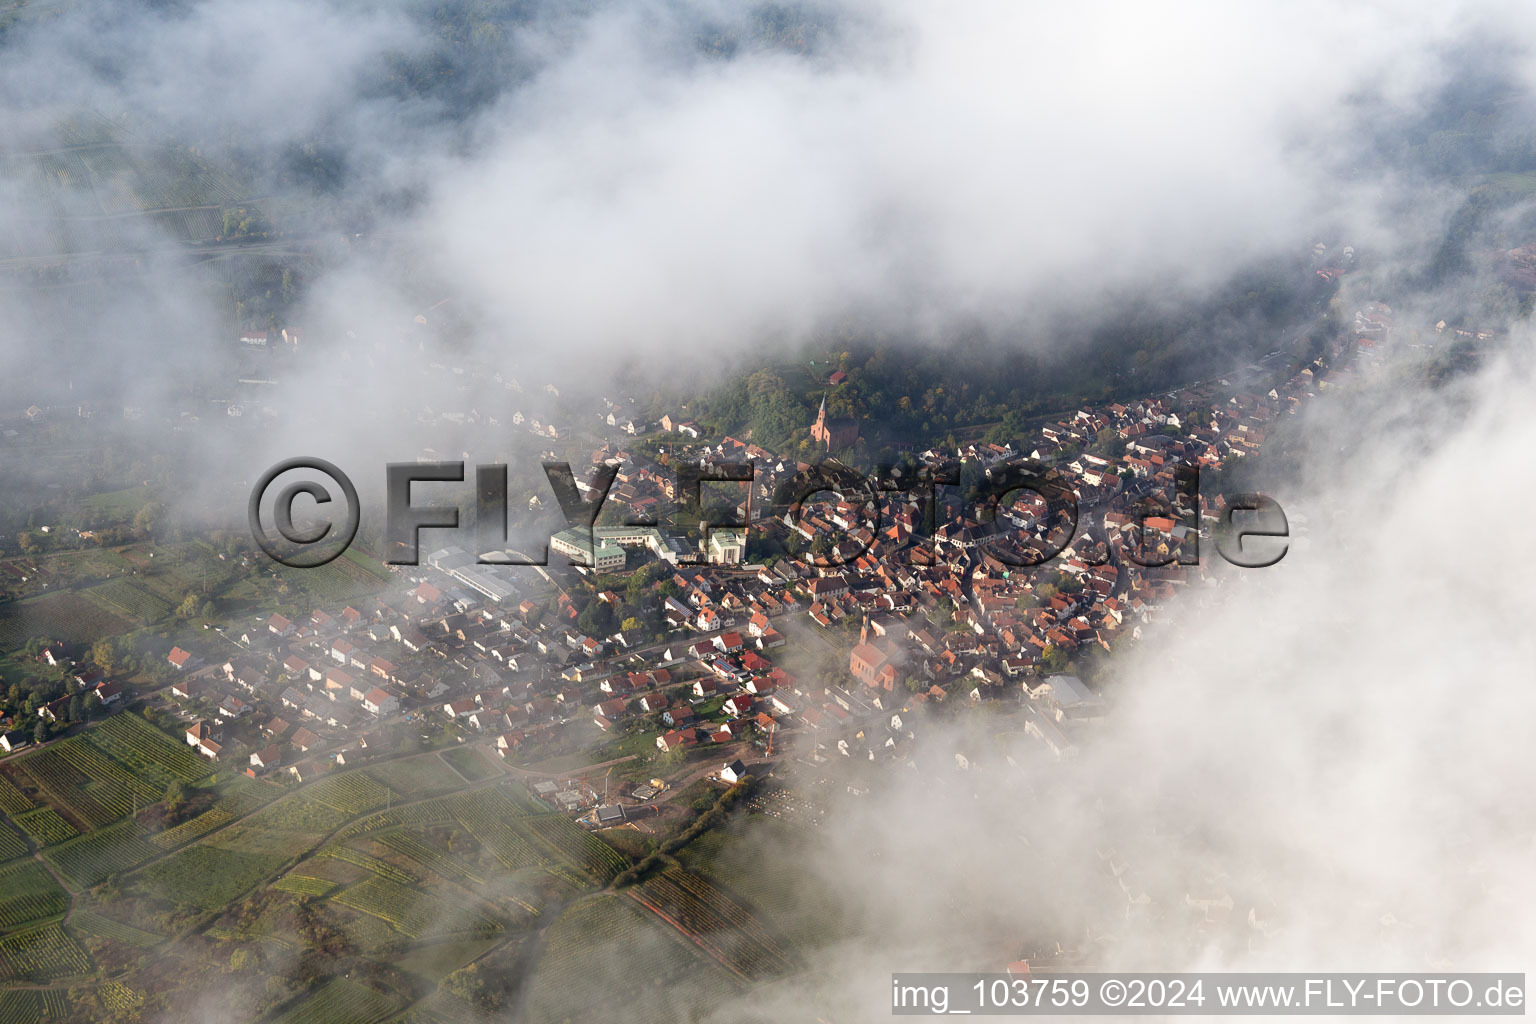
x,y
833,433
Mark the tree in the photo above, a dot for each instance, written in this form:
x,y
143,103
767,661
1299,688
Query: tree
x,y
640,581
1054,659
40,731
596,619
147,520
175,796
104,654
207,611
188,606
471,986
630,623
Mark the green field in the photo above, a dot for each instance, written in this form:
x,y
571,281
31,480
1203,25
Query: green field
x,y
607,959
339,1001
111,508
80,779
11,843
350,793
115,187
422,812
45,826
205,876
194,828
41,954
29,1005
381,874
86,860
147,752
132,600
411,911
304,885
756,858
105,927
409,845
350,576
65,616
298,813
29,893
12,800
416,776
471,763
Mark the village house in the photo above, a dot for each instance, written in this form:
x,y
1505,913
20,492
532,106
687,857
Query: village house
x,y
378,701
677,739
205,738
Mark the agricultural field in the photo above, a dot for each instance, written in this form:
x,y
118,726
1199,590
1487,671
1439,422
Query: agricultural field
x,y
400,863
29,1005
576,846
350,576
97,799
416,776
298,813
505,843
86,860
29,893
423,812
12,800
409,846
339,1001
436,959
65,615
370,864
94,924
147,752
607,944
194,828
127,598
45,826
89,760
115,508
755,857
710,917
304,885
41,954
205,876
369,932
242,795
119,1000
411,911
350,793
11,843
471,763
518,839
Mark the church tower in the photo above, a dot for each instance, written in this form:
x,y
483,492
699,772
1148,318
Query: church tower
x,y
838,433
